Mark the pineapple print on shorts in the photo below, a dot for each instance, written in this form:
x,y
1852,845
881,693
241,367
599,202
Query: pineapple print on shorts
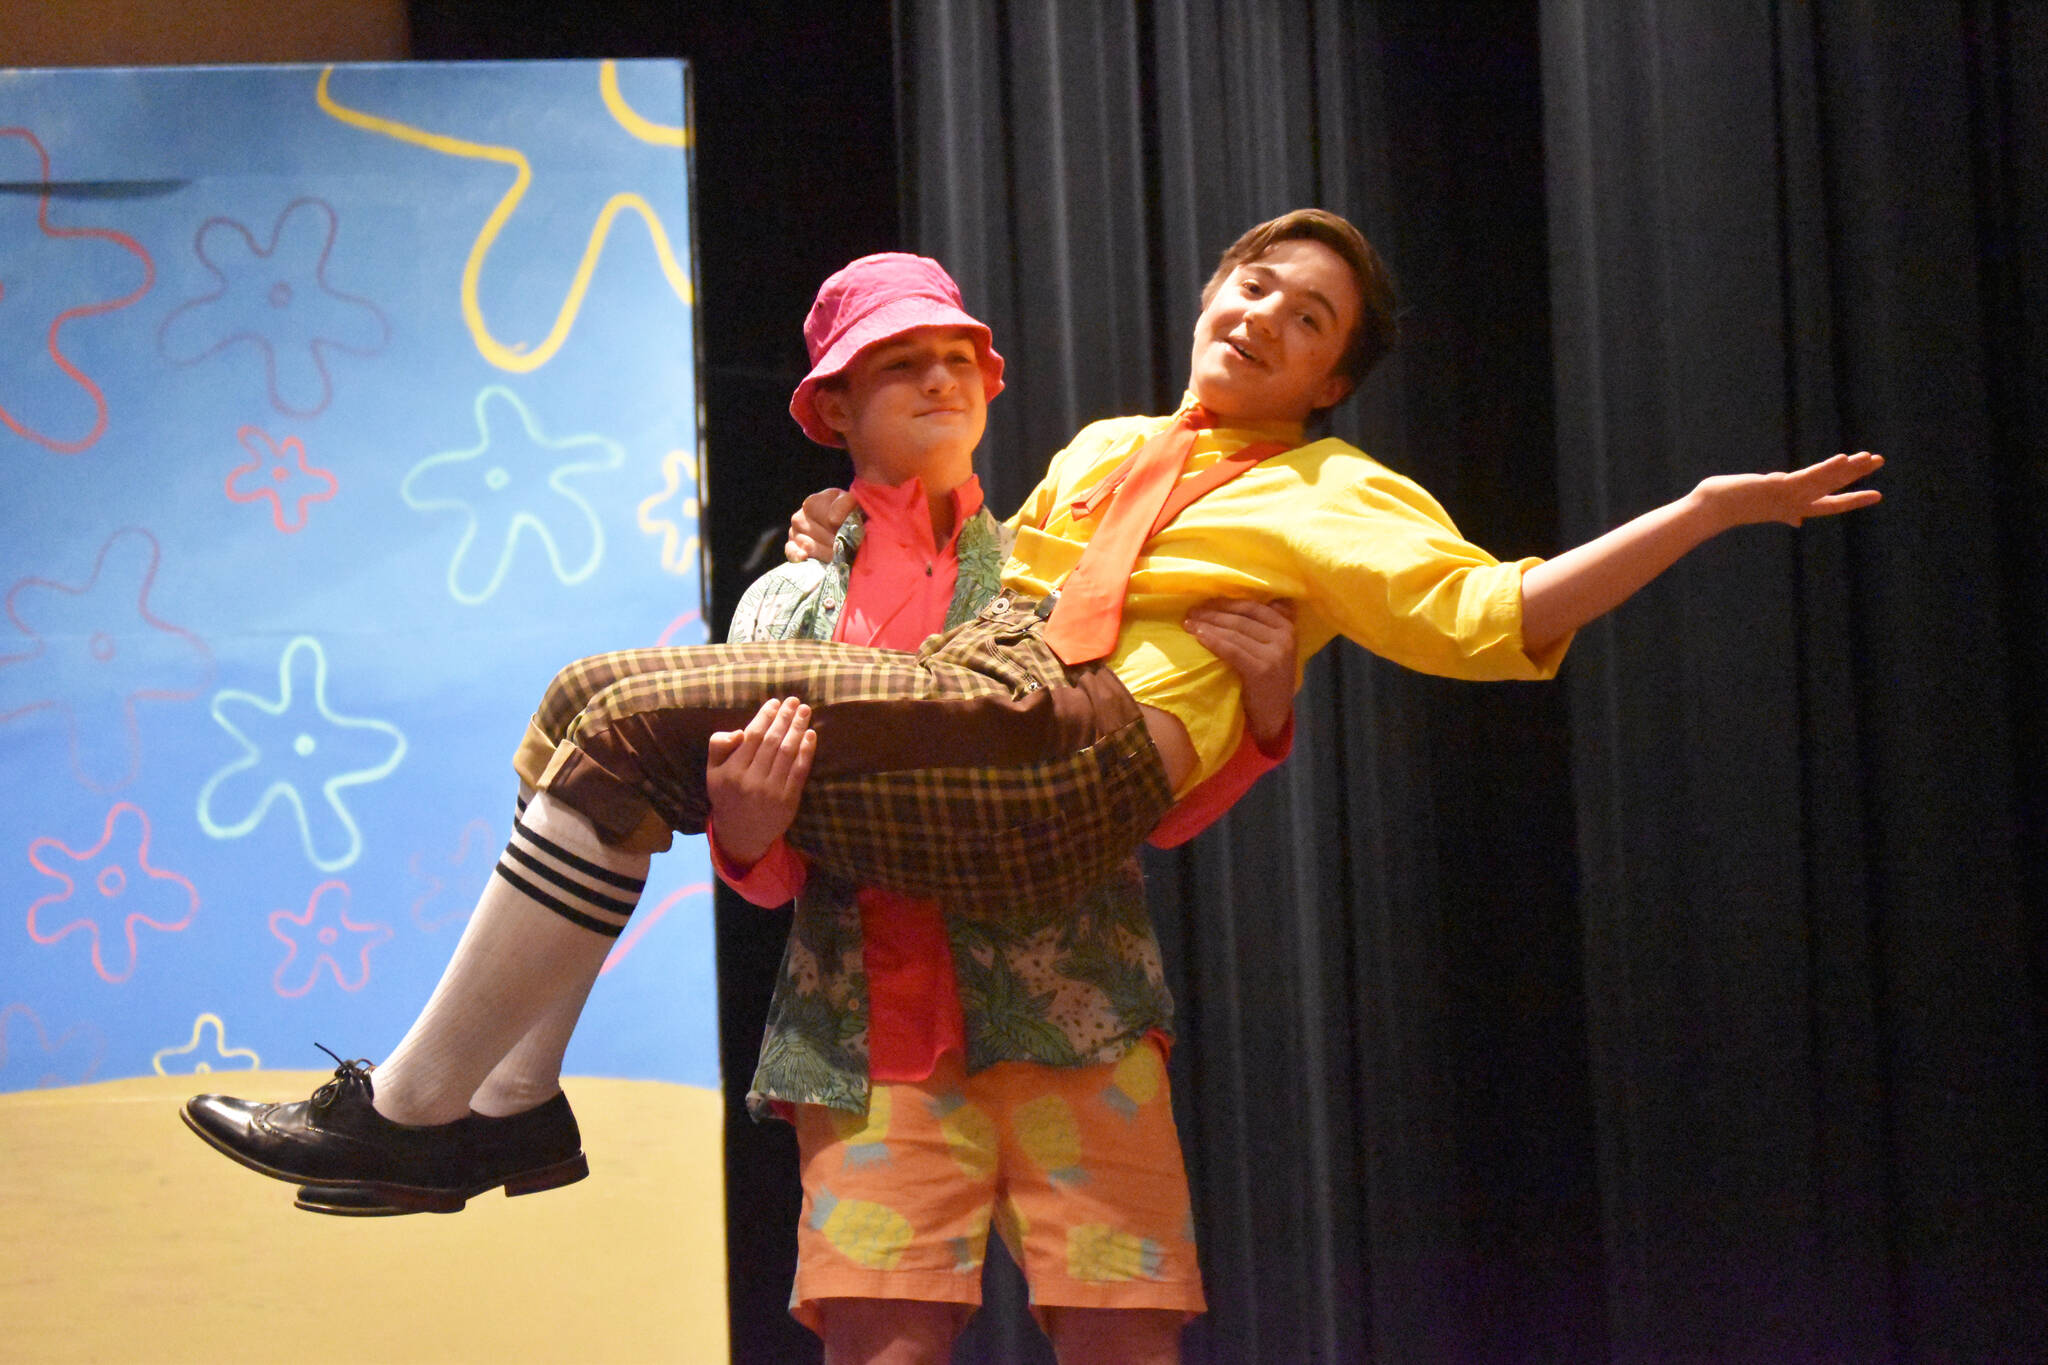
x,y
864,1137
1136,1081
872,1236
1050,1135
969,1132
1098,1253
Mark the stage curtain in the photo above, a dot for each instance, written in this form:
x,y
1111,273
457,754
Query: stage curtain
x,y
1802,765
1690,1007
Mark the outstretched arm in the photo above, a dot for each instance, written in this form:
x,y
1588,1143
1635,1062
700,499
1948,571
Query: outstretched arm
x,y
1583,584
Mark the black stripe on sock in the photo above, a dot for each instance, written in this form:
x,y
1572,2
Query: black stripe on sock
x,y
562,908
583,865
595,899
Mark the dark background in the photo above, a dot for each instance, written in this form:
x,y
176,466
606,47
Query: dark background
x,y
1691,1008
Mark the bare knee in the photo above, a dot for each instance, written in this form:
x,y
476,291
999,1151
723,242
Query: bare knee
x,y
889,1331
1115,1336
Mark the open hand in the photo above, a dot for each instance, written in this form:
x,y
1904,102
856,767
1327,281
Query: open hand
x,y
1257,640
755,777
813,525
1740,499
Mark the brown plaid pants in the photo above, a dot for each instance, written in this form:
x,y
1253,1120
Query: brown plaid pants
x,y
980,771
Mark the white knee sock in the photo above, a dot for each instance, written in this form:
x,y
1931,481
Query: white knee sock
x,y
533,947
531,1073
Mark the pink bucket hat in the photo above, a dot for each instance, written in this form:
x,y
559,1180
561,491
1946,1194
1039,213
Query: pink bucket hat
x,y
871,300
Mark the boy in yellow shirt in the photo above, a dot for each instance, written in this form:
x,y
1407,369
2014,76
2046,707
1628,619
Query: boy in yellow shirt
x,y
1017,761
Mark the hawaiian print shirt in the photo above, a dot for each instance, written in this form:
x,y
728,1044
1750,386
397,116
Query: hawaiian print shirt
x,y
1070,988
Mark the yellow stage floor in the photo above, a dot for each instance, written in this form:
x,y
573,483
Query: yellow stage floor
x,y
124,1238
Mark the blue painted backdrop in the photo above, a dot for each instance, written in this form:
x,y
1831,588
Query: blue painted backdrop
x,y
337,409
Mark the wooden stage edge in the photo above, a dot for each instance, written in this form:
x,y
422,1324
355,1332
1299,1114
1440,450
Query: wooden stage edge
x,y
127,1239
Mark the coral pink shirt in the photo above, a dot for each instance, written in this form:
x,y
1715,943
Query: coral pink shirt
x,y
901,584
897,594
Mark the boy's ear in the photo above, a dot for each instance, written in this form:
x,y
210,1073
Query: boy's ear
x,y
830,401
1334,391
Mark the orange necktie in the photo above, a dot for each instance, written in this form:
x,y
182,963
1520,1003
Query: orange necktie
x,y
1084,623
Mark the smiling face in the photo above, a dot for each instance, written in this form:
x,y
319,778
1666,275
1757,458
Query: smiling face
x,y
913,406
1270,339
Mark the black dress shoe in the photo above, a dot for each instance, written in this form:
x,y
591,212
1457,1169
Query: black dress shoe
x,y
352,1201
337,1137
526,1153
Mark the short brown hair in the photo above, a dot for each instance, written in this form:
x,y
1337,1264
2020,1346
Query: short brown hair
x,y
1376,330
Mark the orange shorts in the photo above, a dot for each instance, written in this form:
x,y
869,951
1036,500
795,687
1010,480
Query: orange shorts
x,y
1079,1169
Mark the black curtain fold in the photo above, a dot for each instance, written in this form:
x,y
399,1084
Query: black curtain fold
x,y
1855,1154
1691,1008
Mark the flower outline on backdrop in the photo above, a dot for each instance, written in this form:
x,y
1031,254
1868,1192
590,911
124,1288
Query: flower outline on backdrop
x,y
53,1062
207,1027
277,299
273,467
320,930
493,485
478,840
97,650
278,776
679,485
519,357
129,888
52,336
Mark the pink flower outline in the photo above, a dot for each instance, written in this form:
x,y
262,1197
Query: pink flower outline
x,y
280,473
48,1049
325,936
112,882
131,729
477,831
85,310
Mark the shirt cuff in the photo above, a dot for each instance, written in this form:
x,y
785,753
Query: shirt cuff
x,y
1277,748
1205,805
776,878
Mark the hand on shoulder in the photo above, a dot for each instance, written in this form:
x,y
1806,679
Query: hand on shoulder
x,y
813,526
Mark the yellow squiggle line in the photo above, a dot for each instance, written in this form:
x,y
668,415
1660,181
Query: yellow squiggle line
x,y
660,134
516,358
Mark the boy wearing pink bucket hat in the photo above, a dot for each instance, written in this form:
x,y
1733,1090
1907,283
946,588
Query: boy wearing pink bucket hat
x,y
877,988
917,1052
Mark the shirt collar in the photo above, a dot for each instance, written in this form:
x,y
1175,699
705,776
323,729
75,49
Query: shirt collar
x,y
902,510
1288,434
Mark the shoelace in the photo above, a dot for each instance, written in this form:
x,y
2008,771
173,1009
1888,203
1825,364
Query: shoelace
x,y
346,1074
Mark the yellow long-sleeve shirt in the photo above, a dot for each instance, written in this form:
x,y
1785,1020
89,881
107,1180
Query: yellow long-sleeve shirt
x,y
1364,553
